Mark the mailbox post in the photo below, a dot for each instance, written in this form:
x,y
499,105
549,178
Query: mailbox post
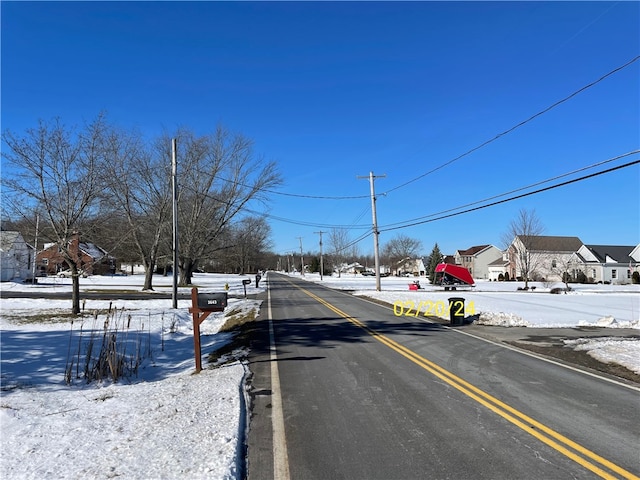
x,y
201,306
245,282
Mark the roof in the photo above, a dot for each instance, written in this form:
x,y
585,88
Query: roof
x,y
473,250
542,243
410,260
8,239
499,262
92,250
619,253
88,248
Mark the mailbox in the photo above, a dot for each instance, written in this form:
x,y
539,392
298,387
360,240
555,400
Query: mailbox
x,y
214,302
246,281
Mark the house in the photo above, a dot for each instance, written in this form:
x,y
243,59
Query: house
x,y
605,263
89,258
16,258
131,268
411,266
541,257
449,259
354,268
499,267
477,259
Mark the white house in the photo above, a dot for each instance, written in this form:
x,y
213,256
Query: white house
x,y
411,266
499,267
16,257
542,257
477,259
132,268
354,268
606,263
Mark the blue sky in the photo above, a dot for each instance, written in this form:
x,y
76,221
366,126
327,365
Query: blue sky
x,y
334,90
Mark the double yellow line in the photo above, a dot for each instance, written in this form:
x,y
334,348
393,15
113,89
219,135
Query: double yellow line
x,y
555,440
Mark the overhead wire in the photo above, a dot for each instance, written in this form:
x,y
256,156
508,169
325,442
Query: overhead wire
x,y
542,182
447,213
568,182
274,217
474,149
524,122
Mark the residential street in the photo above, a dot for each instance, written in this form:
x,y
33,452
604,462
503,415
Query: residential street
x,y
363,394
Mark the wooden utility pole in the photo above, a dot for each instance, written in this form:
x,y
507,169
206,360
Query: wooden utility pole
x,y
376,254
35,252
321,261
301,258
174,183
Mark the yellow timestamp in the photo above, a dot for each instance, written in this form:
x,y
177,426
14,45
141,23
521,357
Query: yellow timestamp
x,y
439,308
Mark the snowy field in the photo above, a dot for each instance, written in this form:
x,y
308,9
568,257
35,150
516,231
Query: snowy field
x,y
164,421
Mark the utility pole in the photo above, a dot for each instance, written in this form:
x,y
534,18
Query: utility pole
x,y
174,184
321,261
376,253
35,252
301,258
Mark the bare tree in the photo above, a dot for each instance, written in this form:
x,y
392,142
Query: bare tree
x,y
219,175
61,172
401,248
522,240
140,187
341,248
251,239
564,267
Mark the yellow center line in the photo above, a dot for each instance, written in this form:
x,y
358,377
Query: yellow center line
x,y
507,412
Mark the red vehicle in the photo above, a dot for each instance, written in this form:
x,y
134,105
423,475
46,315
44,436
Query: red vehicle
x,y
451,276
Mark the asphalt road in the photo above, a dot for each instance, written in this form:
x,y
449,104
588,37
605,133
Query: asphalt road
x,y
343,389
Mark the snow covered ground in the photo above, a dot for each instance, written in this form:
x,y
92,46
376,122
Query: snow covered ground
x,y
166,422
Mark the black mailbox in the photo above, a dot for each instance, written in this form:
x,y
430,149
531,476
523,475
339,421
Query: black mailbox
x,y
246,281
212,301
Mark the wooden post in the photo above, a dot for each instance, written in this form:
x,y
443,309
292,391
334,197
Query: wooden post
x,y
198,317
211,302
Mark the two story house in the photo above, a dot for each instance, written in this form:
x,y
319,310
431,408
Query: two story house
x,y
477,259
541,257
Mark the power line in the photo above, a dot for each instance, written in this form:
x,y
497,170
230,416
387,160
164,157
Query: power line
x,y
418,220
401,225
354,242
515,198
296,195
307,224
518,189
268,215
559,102
316,197
485,143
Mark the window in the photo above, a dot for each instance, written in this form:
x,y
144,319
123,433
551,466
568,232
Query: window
x,y
614,274
45,261
628,273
